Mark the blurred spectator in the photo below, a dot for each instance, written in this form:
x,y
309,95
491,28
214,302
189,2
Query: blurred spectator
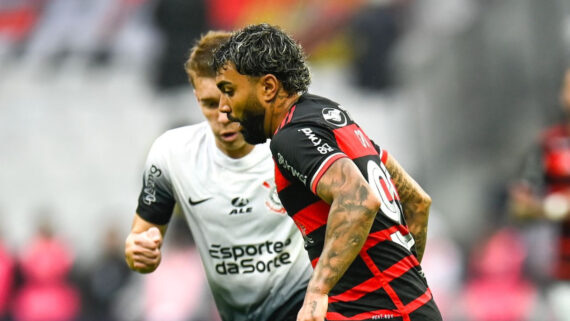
x,y
18,19
105,279
46,294
180,22
373,33
543,192
7,277
496,289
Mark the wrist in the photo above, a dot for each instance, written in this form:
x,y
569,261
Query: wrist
x,y
315,287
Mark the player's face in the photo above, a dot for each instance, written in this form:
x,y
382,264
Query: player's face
x,y
228,138
241,104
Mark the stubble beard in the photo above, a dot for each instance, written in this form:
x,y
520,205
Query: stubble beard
x,y
252,122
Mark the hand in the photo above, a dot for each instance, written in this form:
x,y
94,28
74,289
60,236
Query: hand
x,y
314,307
142,250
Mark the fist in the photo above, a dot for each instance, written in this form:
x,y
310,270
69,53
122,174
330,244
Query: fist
x,y
142,250
314,307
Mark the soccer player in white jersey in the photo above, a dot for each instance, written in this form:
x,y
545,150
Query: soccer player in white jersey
x,y
252,252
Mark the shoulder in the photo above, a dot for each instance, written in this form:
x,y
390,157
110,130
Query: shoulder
x,y
181,136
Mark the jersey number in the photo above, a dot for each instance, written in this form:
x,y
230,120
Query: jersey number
x,y
379,180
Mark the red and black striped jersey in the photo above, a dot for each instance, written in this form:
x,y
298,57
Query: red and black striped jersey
x,y
385,281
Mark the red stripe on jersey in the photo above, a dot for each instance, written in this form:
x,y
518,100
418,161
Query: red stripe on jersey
x,y
314,262
290,114
377,314
373,284
323,168
286,120
280,181
358,291
400,267
377,237
418,302
312,217
386,286
353,142
384,157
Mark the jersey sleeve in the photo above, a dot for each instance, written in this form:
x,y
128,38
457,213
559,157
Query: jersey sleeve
x,y
156,200
305,152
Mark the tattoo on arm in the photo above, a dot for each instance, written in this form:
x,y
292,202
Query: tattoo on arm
x,y
353,208
415,203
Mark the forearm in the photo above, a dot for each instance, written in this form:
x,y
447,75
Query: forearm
x,y
345,236
353,209
415,203
417,219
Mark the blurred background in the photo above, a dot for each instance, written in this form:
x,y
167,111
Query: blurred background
x,y
458,91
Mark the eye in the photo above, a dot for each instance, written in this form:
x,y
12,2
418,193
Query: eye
x,y
228,92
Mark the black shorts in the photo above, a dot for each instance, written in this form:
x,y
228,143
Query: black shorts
x,y
289,310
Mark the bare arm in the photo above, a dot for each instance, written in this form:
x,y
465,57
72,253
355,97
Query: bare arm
x,y
415,202
353,208
142,246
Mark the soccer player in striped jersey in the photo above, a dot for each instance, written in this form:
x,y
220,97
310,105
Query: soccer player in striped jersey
x,y
363,218
252,253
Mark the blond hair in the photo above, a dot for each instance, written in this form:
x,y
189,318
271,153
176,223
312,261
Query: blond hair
x,y
199,63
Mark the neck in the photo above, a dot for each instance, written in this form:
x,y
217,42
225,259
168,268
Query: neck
x,y
235,153
279,110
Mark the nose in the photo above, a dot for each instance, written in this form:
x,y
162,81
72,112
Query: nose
x,y
224,109
223,117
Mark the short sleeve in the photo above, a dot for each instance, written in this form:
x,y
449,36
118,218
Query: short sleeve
x,y
156,200
304,152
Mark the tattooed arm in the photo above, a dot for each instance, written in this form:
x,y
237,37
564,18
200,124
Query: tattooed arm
x,y
353,208
415,202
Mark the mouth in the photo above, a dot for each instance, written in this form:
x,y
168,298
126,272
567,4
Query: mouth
x,y
229,136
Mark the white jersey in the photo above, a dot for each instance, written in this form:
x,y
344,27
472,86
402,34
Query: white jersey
x,y
252,251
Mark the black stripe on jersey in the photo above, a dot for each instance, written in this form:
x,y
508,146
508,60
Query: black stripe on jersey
x,y
408,286
387,253
351,279
428,311
296,191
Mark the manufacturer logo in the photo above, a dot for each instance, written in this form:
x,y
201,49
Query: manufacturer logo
x,y
194,203
335,116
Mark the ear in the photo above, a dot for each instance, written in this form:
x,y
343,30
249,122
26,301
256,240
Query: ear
x,y
269,87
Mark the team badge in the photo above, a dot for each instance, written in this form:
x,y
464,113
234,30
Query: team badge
x,y
335,116
273,202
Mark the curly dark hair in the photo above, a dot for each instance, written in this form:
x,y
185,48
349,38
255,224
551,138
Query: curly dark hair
x,y
257,50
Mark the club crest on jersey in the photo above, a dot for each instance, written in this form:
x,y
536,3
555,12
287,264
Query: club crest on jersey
x,y
335,116
240,206
273,202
